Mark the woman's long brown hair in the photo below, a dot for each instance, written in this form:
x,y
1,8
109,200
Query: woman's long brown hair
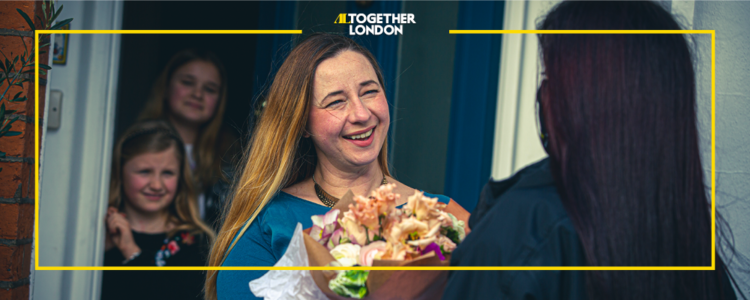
x,y
623,143
152,137
278,156
207,158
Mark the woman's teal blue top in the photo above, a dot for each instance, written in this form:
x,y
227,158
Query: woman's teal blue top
x,y
265,241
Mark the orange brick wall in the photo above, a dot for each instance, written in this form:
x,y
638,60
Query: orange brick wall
x,y
17,175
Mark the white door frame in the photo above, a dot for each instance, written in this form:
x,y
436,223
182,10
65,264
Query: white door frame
x,y
76,158
517,141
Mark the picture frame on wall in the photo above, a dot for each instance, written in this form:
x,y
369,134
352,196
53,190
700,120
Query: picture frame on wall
x,y
60,48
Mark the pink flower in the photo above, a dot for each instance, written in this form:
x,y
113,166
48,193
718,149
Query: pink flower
x,y
365,210
370,252
338,237
394,251
386,198
354,230
324,226
400,231
407,233
370,211
173,248
422,207
446,243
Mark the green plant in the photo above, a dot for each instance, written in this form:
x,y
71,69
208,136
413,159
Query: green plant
x,y
17,76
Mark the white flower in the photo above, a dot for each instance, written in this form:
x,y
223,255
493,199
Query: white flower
x,y
458,226
346,254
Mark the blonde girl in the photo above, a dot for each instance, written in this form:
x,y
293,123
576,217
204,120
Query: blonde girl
x,y
152,218
191,93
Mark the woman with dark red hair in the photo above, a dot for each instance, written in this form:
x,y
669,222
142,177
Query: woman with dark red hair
x,y
623,184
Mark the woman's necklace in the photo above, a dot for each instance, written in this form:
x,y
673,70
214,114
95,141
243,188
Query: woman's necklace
x,y
328,199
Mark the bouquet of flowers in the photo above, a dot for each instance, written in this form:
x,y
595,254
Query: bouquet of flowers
x,y
372,231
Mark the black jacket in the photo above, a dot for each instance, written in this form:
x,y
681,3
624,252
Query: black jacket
x,y
521,221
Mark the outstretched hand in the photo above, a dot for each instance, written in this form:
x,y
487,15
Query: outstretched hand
x,y
119,234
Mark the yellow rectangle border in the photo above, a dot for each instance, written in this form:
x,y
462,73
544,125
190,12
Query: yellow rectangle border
x,y
488,268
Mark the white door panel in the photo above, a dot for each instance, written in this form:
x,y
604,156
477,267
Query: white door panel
x,y
75,159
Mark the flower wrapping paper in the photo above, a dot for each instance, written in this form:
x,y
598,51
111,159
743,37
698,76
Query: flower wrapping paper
x,y
289,285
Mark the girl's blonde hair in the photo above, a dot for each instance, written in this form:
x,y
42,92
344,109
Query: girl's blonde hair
x,y
208,160
152,137
278,156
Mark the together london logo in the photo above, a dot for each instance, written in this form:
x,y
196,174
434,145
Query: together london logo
x,y
375,24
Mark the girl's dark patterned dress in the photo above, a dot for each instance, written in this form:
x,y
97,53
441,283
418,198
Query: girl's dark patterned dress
x,y
182,249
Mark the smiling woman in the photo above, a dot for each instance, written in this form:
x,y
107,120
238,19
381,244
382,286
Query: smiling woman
x,y
348,114
323,132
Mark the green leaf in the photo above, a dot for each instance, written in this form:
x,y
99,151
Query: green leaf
x,y
24,98
3,53
2,66
24,45
9,124
15,60
56,14
42,52
2,154
42,46
23,14
8,66
42,72
16,96
61,24
46,67
13,120
4,130
13,133
452,234
10,111
44,8
41,21
2,111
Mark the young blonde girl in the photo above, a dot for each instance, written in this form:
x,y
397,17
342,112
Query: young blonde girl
x,y
191,94
152,218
